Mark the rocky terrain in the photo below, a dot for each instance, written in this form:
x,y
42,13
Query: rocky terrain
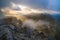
x,y
34,27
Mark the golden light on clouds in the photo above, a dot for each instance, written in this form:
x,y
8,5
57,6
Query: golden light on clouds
x,y
12,13
23,10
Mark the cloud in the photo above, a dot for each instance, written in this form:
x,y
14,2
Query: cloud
x,y
46,4
18,9
21,9
35,24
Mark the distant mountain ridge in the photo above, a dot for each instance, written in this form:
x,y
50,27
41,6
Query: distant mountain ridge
x,y
56,16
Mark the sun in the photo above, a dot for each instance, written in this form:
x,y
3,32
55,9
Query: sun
x,y
20,6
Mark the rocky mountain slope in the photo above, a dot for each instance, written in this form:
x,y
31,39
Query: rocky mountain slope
x,y
33,27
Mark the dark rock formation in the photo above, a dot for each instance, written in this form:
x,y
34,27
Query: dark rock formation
x,y
10,30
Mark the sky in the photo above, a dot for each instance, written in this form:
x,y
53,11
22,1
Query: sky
x,y
32,3
45,4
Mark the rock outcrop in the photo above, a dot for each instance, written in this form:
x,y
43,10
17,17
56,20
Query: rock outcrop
x,y
13,29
